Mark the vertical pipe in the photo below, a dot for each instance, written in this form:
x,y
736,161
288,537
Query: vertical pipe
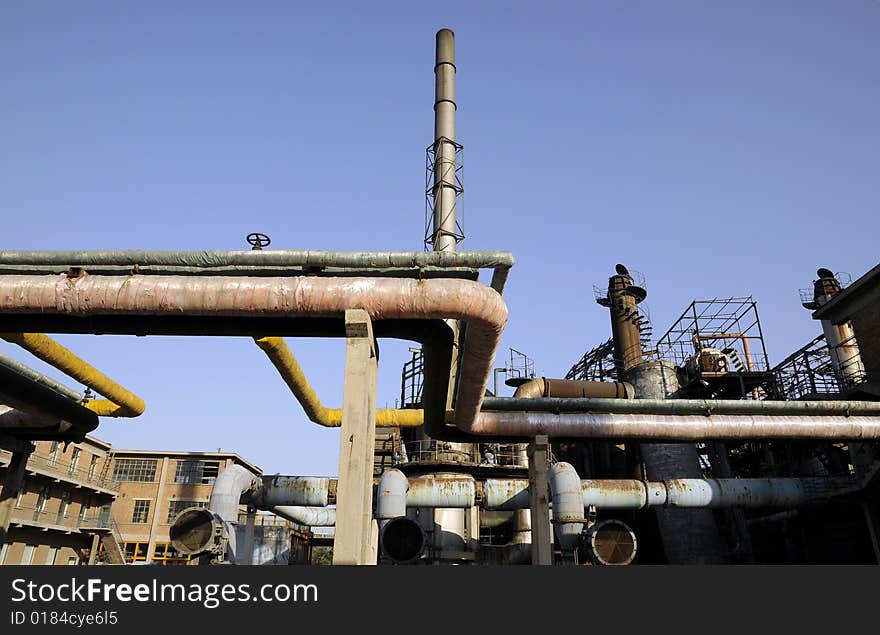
x,y
444,142
624,329
689,536
841,340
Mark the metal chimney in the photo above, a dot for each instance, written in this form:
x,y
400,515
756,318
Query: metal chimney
x,y
443,153
840,338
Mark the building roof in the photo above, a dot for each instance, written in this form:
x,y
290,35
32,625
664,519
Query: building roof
x,y
851,300
188,455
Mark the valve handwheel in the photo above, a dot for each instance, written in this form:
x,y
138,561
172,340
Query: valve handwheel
x,y
257,240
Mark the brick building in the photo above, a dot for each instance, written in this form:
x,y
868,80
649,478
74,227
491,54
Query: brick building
x,y
153,487
62,515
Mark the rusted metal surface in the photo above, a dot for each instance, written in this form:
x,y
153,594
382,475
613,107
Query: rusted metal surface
x,y
454,491
481,307
568,388
568,505
676,427
306,491
505,494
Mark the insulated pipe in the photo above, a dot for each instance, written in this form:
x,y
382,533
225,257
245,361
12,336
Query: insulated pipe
x,y
391,496
500,261
567,388
307,516
40,378
662,428
300,491
622,494
568,505
840,338
228,489
442,490
291,372
69,419
704,407
121,403
481,307
13,419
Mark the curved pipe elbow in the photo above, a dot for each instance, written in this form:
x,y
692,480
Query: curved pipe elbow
x,y
228,489
391,495
568,504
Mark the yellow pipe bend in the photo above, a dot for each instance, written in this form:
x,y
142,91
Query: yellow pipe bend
x,y
291,372
120,403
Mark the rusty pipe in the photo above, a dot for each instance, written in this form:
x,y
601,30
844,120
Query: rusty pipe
x,y
662,428
567,388
383,298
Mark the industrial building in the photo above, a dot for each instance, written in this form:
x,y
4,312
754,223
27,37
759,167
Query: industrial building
x,y
686,447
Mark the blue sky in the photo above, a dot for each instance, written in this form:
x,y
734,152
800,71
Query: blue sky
x,y
720,148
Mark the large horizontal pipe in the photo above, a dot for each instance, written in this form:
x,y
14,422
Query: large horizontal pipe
x,y
684,406
500,261
662,428
13,420
511,494
23,393
291,372
307,516
300,491
121,403
40,378
480,307
569,388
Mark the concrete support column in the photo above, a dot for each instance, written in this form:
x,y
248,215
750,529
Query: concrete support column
x,y
248,555
542,539
93,552
160,496
690,536
354,493
13,481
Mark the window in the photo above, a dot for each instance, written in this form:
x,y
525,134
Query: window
x,y
41,501
74,460
4,548
71,561
141,511
93,467
64,509
27,557
19,497
135,551
140,470
202,472
84,509
177,506
50,557
53,453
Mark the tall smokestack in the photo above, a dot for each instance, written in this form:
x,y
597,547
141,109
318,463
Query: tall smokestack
x,y
445,189
841,341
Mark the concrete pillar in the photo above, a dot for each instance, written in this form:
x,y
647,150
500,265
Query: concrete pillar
x,y
13,481
93,552
690,536
160,496
354,493
248,555
542,540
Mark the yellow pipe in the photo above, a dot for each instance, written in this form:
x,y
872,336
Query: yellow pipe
x,y
120,402
291,372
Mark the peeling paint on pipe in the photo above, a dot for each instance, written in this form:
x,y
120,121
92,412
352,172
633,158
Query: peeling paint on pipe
x,y
304,491
675,427
481,307
500,261
451,491
568,504
568,388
